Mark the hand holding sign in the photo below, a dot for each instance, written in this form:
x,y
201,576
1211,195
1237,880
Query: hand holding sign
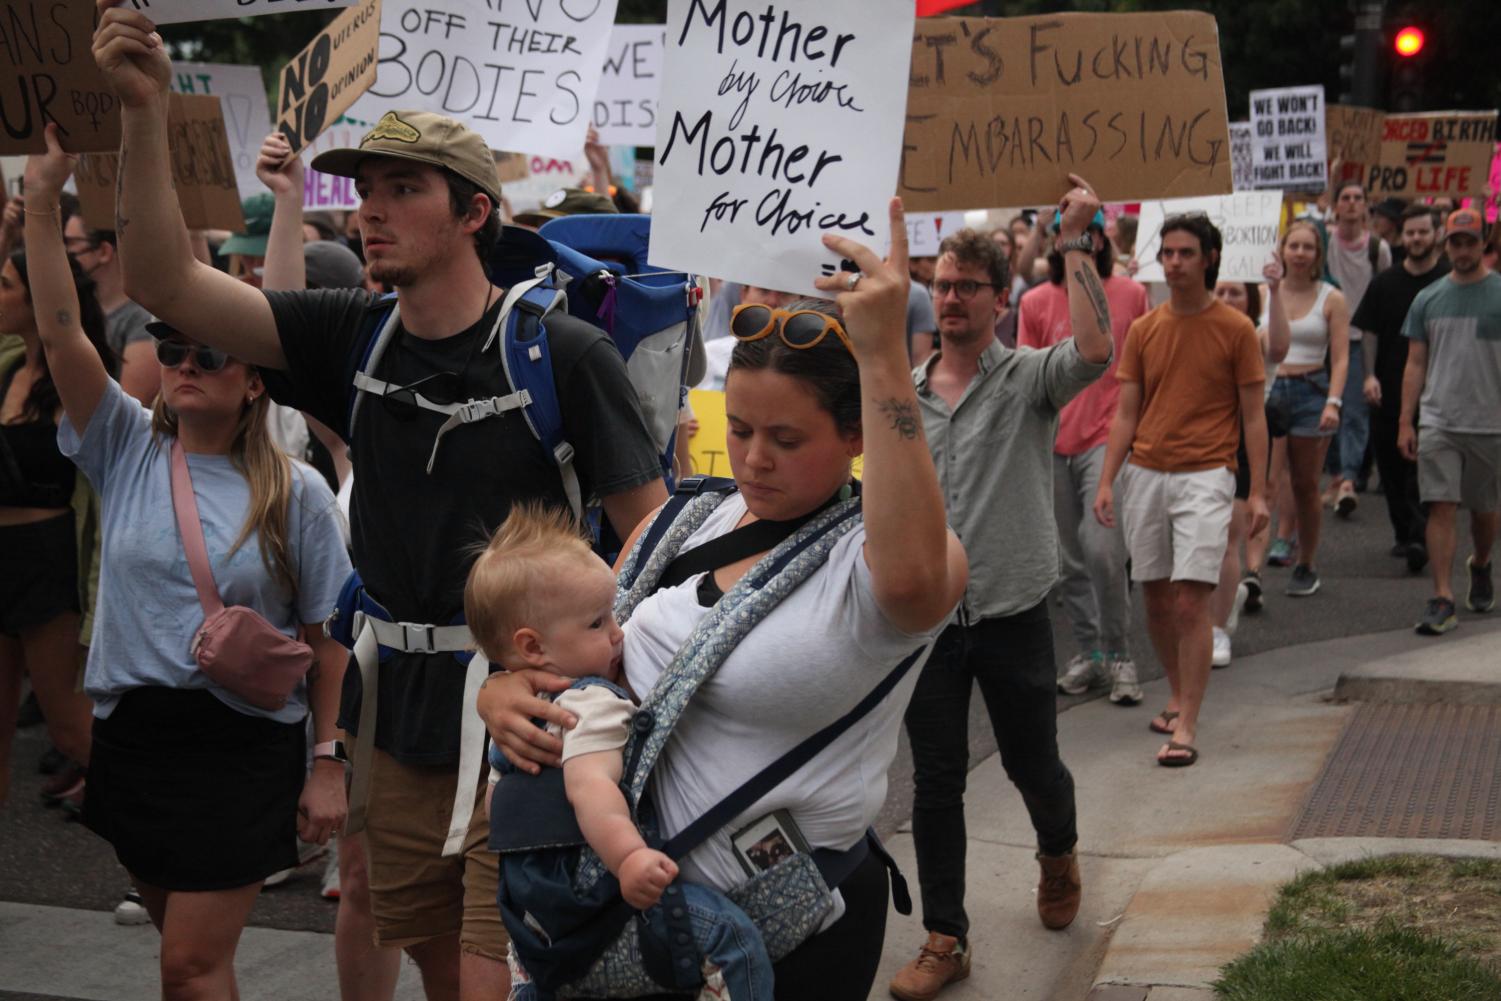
x,y
873,299
279,169
130,54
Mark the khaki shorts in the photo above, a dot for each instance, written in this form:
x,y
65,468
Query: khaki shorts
x,y
417,894
1459,468
1176,524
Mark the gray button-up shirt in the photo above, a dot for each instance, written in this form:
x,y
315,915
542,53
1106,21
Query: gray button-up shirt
x,y
994,454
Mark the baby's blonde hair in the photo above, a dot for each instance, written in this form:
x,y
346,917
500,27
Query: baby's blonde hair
x,y
520,573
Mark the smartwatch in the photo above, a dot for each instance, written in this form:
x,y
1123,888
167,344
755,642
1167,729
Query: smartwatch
x,y
1335,402
333,750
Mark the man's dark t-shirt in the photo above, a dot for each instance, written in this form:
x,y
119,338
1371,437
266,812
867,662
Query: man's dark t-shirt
x,y
414,534
1381,312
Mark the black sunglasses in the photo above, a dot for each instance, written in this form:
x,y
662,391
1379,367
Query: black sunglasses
x,y
172,353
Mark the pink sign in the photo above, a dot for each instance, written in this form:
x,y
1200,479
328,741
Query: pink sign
x,y
1495,187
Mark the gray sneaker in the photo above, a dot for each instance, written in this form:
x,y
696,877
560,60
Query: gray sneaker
x,y
1304,581
1482,596
1125,691
1084,672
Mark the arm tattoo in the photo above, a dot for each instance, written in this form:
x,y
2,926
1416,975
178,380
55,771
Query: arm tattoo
x,y
64,318
1091,283
120,221
903,417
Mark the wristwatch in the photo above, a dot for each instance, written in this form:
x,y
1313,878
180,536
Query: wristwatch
x,y
1335,402
1083,243
333,750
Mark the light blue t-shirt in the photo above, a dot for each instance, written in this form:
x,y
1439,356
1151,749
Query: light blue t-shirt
x,y
148,609
1461,324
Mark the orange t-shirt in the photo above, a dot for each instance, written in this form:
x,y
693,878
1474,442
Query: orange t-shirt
x,y
1191,369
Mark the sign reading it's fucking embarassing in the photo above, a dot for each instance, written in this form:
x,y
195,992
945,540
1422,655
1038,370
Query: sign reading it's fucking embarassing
x,y
777,124
1002,110
170,11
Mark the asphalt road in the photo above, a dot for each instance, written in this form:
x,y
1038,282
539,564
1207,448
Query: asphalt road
x,y
47,860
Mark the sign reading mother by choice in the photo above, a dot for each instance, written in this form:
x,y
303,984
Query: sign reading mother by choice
x,y
777,124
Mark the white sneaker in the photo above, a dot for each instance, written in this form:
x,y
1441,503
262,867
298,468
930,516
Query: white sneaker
x,y
130,910
330,889
1125,691
1232,621
307,851
1082,673
1221,655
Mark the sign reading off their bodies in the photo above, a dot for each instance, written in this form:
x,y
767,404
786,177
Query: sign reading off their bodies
x,y
1354,136
1248,221
242,96
625,109
203,170
1438,153
926,230
49,75
776,126
1287,127
1001,110
521,74
168,11
323,80
1241,173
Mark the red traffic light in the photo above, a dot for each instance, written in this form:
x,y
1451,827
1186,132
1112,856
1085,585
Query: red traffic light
x,y
1409,41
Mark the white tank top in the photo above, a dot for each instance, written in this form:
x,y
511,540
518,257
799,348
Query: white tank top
x,y
1310,333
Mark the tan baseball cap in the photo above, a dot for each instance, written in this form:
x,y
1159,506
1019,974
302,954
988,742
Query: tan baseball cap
x,y
423,137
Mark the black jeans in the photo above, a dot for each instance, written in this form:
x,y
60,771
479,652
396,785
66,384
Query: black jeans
x,y
1012,659
1399,478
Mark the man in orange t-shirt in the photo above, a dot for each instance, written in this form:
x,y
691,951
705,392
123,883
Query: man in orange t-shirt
x,y
1191,378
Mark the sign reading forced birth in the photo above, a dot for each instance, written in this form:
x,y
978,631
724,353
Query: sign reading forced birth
x,y
169,11
777,126
1438,153
47,74
1001,110
324,79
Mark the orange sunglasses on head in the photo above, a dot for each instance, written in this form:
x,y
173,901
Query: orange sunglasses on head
x,y
800,328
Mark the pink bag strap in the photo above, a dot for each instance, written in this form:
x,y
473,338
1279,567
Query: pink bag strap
x,y
190,527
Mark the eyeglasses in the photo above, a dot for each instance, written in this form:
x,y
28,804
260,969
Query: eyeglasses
x,y
441,388
964,288
801,329
172,353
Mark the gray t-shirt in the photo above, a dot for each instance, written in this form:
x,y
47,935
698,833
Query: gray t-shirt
x,y
148,609
920,318
1352,268
126,325
1461,325
994,454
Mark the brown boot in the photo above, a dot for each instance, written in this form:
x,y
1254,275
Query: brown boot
x,y
939,963
1058,890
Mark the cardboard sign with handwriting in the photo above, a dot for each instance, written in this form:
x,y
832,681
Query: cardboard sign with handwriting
x,y
47,74
1001,110
203,170
1354,136
1437,153
170,11
242,96
324,79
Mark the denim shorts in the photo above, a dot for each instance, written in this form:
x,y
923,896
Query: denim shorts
x,y
1303,398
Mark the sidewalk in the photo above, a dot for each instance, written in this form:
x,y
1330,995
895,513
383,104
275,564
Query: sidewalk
x,y
1180,865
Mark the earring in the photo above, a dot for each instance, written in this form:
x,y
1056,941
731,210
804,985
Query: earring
x,y
846,492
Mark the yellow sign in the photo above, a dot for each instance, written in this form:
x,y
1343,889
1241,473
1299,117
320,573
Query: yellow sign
x,y
708,446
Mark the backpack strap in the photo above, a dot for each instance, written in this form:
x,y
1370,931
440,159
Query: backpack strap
x,y
528,366
379,326
1373,253
686,490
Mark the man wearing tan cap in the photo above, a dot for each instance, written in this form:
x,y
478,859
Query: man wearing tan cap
x,y
422,497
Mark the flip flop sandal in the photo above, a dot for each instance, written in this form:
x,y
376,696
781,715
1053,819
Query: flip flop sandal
x,y
1187,756
1162,722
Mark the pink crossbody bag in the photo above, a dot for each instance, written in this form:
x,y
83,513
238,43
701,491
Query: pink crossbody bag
x,y
236,648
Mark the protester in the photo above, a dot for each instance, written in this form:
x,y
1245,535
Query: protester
x,y
1093,588
1309,388
797,418
199,791
922,326
565,202
1452,386
98,253
1191,371
429,189
1380,317
1386,223
1123,242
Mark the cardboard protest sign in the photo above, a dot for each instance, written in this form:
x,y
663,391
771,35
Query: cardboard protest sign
x,y
1242,174
1287,127
1001,110
1354,136
1435,153
49,75
625,108
775,129
523,75
324,79
511,167
202,170
926,230
1249,221
169,11
242,97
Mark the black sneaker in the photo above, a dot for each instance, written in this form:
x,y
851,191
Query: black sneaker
x,y
1438,618
1398,550
1417,557
1482,596
1252,583
1303,582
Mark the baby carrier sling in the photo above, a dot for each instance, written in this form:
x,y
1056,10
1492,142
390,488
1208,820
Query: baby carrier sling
x,y
570,927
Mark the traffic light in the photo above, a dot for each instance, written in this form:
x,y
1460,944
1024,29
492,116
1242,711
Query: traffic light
x,y
1347,69
1409,41
1409,56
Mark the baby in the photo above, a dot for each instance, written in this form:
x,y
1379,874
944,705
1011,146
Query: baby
x,y
539,598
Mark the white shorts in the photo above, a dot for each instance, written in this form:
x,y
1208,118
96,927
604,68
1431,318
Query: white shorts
x,y
1176,524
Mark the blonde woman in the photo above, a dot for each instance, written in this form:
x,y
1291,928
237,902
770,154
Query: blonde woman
x,y
199,793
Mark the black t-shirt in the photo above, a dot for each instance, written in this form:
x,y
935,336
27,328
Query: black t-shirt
x,y
1381,312
414,532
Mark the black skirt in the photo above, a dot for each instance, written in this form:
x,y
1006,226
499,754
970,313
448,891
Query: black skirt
x,y
38,573
192,794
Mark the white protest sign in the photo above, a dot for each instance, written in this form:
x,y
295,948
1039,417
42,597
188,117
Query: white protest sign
x,y
327,192
625,108
169,11
1287,126
242,95
545,174
926,230
522,75
775,128
1242,171
1248,222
